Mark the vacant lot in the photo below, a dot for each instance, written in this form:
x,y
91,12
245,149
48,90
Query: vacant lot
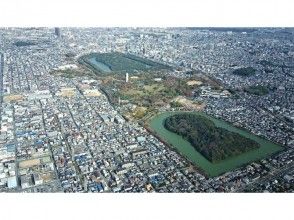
x,y
29,163
10,98
66,92
194,82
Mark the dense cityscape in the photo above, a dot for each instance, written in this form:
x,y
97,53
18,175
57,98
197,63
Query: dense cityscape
x,y
74,133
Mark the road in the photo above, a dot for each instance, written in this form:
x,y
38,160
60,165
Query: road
x,y
1,78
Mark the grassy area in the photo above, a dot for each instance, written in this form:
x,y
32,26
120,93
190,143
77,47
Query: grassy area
x,y
148,85
146,91
181,101
176,104
133,93
139,112
154,88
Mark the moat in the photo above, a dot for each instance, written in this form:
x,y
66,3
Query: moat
x,y
266,148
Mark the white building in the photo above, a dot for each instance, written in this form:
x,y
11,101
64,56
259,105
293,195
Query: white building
x,y
11,182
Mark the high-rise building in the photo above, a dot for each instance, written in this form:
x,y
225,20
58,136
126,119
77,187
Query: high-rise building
x,y
57,32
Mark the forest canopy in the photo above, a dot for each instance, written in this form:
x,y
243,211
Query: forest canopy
x,y
246,71
214,143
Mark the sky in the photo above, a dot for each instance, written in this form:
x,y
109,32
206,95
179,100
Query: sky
x,y
154,13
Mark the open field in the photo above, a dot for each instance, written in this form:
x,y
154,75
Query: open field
x,y
29,163
146,89
188,103
194,82
72,72
66,92
11,98
153,88
139,112
91,93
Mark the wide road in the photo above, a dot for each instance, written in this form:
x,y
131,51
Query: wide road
x,y
1,76
1,83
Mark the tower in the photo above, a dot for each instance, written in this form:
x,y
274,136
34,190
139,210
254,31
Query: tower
x,y
127,77
57,32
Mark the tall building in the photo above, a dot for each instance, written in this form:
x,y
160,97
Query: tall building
x,y
57,32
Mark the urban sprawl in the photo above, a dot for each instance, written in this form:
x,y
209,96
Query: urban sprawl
x,y
61,134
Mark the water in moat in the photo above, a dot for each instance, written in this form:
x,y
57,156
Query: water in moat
x,y
99,65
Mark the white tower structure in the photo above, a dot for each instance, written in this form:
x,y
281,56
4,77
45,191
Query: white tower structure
x,y
127,77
